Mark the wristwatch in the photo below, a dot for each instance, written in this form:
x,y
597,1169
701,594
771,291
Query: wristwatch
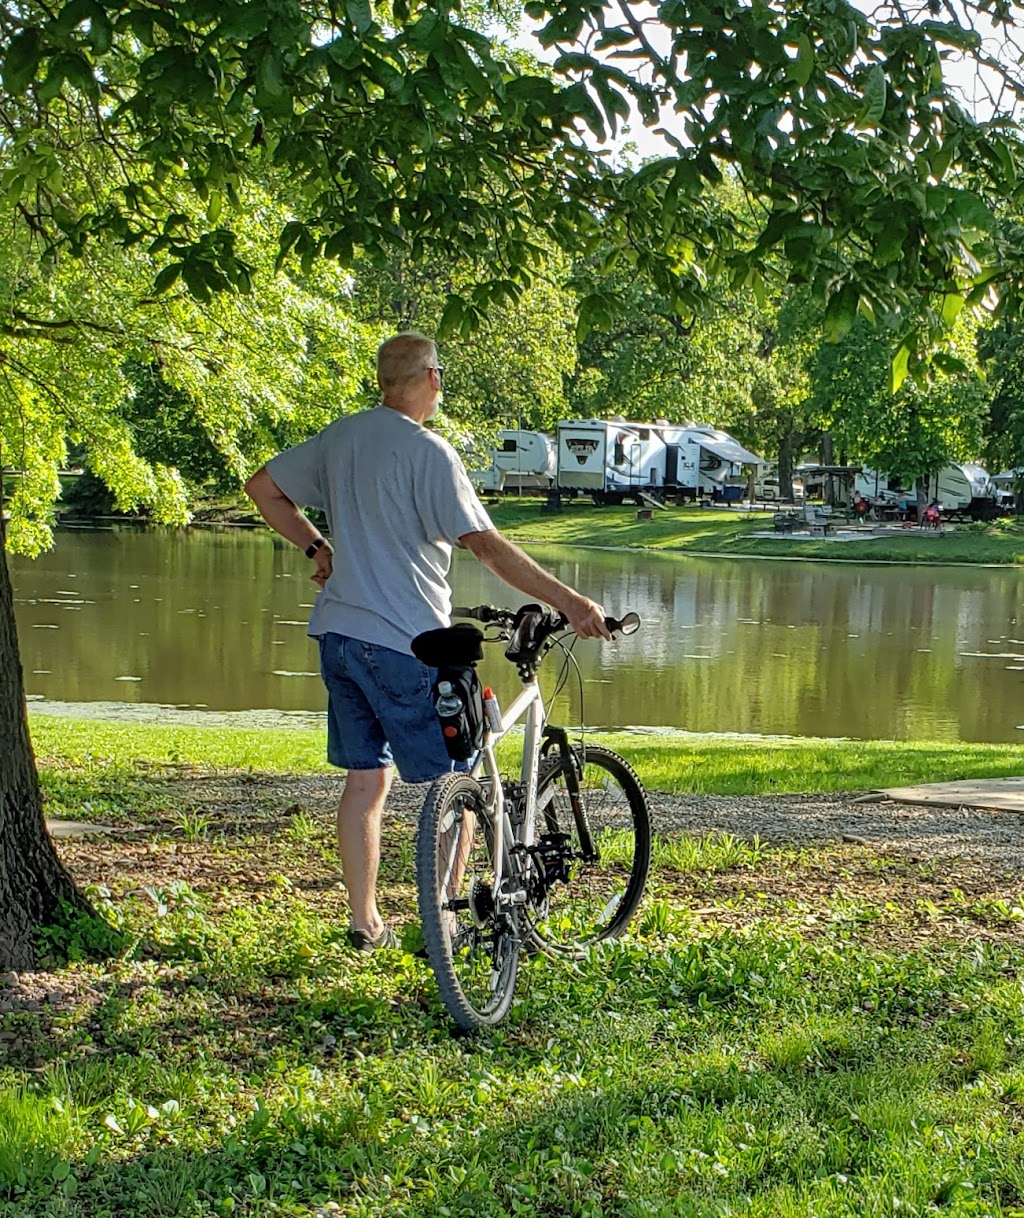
x,y
313,546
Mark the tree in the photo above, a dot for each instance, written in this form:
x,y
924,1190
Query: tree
x,y
91,359
644,361
931,420
134,130
511,370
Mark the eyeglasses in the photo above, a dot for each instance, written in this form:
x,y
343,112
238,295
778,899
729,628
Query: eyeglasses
x,y
438,368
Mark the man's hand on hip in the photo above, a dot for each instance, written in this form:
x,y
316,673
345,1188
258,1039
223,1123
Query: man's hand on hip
x,y
324,559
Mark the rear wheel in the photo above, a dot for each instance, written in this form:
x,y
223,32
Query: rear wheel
x,y
591,888
473,950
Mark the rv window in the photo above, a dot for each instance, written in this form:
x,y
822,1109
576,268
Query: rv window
x,y
709,460
644,433
509,446
620,453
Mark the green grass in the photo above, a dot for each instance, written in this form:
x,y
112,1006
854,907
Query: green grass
x,y
259,1068
698,530
95,766
789,1031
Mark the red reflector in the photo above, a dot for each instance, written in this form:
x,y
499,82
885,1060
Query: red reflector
x,y
451,731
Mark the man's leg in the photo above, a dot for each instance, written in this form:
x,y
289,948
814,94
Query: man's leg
x,y
359,818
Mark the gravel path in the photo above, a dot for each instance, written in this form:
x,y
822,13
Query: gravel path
x,y
977,839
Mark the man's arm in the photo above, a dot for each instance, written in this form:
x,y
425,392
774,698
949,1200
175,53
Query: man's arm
x,y
284,517
515,567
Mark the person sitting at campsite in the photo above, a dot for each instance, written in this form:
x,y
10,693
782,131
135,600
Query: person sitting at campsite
x,y
861,506
932,514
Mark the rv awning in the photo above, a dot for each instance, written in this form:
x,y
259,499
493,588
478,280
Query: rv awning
x,y
730,450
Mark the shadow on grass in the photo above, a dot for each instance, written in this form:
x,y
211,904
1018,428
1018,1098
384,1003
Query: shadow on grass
x,y
835,1126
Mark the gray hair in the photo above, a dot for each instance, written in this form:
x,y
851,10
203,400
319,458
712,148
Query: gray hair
x,y
403,357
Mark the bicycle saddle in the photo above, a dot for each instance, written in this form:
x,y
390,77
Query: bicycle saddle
x,y
458,644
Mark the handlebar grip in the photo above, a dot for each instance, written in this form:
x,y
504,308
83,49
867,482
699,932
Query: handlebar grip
x,y
627,624
480,613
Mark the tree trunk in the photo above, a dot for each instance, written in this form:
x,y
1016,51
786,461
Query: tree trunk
x,y
35,889
827,449
786,464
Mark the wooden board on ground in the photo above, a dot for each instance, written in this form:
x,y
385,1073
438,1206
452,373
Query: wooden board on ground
x,y
1002,794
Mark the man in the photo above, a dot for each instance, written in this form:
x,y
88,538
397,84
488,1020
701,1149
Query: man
x,y
397,498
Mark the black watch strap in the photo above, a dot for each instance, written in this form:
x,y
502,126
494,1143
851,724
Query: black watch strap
x,y
313,546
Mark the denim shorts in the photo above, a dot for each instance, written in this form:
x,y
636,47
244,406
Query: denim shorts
x,y
379,711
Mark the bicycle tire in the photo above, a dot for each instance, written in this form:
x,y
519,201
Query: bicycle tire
x,y
600,896
475,957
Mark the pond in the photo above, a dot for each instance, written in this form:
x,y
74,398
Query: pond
x,y
214,621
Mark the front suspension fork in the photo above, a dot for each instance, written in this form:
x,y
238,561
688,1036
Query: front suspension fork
x,y
559,738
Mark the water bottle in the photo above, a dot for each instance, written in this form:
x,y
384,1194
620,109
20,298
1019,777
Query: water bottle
x,y
448,704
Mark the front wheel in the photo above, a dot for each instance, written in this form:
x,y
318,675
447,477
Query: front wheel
x,y
594,857
473,948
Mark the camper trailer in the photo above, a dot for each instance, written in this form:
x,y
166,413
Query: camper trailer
x,y
520,461
617,460
703,461
960,489
965,490
610,461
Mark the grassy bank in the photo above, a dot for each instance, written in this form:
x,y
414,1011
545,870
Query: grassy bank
x,y
699,530
86,762
789,1031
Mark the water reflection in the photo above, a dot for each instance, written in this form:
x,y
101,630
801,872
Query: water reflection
x,y
217,620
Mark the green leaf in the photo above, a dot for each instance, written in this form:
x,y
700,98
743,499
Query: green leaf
x,y
594,312
22,61
195,275
167,278
952,306
899,368
101,32
951,365
802,68
73,67
453,317
875,94
971,211
952,35
579,101
360,14
841,312
243,21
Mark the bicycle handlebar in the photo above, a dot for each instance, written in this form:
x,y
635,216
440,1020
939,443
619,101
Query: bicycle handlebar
x,y
493,615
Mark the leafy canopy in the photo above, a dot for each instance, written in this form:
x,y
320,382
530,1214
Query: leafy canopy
x,y
408,128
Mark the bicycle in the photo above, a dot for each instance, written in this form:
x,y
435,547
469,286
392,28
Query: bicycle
x,y
489,887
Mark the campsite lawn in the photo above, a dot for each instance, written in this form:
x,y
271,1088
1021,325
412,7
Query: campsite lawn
x,y
728,532
97,765
788,1031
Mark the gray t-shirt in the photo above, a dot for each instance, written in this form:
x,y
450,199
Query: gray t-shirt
x,y
397,498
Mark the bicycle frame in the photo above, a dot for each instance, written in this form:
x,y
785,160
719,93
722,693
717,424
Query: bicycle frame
x,y
530,703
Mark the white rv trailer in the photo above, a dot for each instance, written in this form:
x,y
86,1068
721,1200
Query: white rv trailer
x,y
702,460
610,461
520,460
1008,485
965,489
613,461
877,488
961,489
